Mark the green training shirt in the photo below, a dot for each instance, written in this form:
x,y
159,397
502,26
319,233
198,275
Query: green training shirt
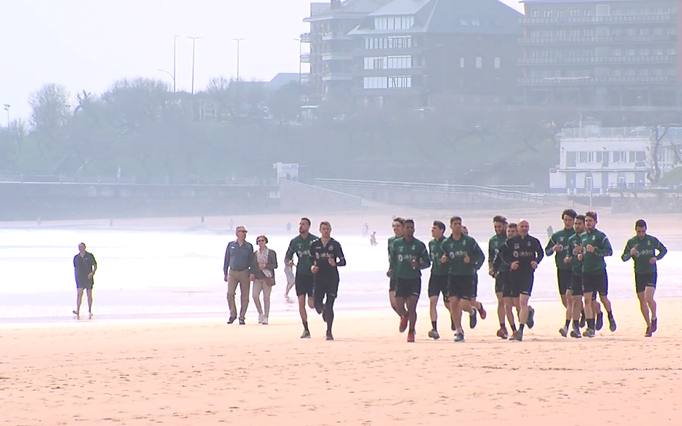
x,y
403,254
301,248
647,248
494,244
436,252
594,262
456,250
560,238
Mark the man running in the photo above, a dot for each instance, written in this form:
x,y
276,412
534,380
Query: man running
x,y
510,295
646,251
305,281
327,257
523,253
438,281
409,257
494,244
462,255
575,293
84,268
595,246
472,306
558,245
398,225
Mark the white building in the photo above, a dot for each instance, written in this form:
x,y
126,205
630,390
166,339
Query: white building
x,y
608,159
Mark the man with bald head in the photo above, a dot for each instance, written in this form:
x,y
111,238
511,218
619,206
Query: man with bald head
x,y
522,253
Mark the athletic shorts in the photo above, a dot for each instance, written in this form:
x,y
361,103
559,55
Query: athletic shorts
x,y
406,287
577,284
499,283
305,285
438,284
392,284
325,287
522,281
642,281
474,287
564,279
461,286
596,282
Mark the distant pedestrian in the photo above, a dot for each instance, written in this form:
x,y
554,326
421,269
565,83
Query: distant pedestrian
x,y
85,266
263,276
237,266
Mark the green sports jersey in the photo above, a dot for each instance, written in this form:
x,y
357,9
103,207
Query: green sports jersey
x,y
494,244
391,240
436,252
560,238
647,248
594,262
573,244
457,250
301,248
404,252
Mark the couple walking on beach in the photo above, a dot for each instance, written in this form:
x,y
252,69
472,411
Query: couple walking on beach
x,y
244,265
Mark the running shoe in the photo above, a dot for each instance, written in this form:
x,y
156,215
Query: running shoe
x,y
306,334
517,336
459,337
599,323
502,333
473,320
589,333
434,334
648,332
329,336
575,333
612,324
654,325
563,331
410,337
231,320
482,312
403,323
531,317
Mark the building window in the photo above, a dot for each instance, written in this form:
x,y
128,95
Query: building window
x,y
393,23
479,62
399,62
375,63
375,83
401,82
461,62
619,157
498,63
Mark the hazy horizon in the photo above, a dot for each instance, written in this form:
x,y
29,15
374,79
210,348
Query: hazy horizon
x,y
85,45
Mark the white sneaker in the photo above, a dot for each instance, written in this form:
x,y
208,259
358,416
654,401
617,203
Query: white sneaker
x,y
260,319
265,320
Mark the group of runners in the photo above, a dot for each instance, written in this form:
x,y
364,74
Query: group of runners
x,y
513,256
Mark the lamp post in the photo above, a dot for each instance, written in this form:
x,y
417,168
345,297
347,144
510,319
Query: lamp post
x,y
175,50
238,41
194,48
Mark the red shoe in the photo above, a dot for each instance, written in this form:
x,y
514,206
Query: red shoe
x,y
403,323
482,312
410,337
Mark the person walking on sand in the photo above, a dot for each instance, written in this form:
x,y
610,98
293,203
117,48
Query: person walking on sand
x,y
237,268
84,266
263,277
327,258
305,281
646,251
438,281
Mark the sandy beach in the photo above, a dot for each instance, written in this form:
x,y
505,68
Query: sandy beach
x,y
204,372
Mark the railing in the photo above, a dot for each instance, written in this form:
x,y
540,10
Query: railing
x,y
605,132
600,60
572,20
534,41
588,80
352,186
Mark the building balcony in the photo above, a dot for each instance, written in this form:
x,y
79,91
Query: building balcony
x,y
337,76
305,38
601,60
598,20
337,56
334,36
594,81
415,70
305,58
617,40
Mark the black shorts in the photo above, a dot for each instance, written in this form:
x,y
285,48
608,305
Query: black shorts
x,y
508,289
461,286
305,284
564,279
325,287
642,281
577,284
392,284
406,287
438,284
522,281
499,283
596,282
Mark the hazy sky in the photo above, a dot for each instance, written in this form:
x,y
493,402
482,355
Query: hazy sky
x,y
88,44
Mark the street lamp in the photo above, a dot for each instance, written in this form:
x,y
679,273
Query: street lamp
x,y
175,45
7,107
238,41
194,47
